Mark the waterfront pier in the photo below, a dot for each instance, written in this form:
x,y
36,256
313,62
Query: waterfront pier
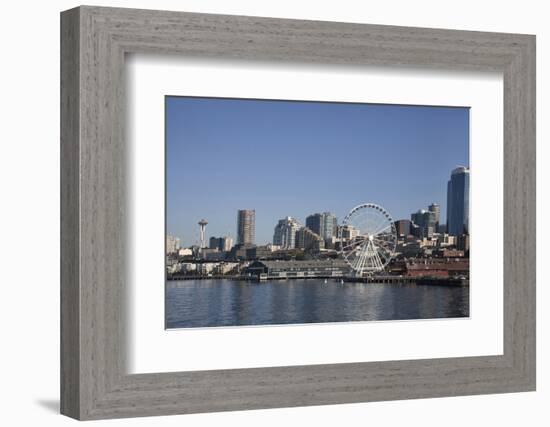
x,y
391,280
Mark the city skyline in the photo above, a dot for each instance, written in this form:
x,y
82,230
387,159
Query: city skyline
x,y
222,157
299,224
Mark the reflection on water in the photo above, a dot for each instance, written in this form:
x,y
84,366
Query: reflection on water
x,y
200,303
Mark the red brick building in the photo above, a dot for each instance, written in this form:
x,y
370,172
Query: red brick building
x,y
433,267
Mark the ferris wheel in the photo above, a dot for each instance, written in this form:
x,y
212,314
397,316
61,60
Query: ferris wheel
x,y
368,238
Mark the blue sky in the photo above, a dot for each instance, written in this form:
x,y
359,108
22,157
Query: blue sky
x,y
291,158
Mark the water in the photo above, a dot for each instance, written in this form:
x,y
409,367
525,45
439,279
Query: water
x,y
222,302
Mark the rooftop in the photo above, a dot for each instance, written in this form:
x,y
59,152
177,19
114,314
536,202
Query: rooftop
x,y
460,169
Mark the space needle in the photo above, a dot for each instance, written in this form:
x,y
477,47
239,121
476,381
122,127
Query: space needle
x,y
202,225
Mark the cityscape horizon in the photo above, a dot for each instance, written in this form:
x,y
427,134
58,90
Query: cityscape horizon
x,y
270,241
230,237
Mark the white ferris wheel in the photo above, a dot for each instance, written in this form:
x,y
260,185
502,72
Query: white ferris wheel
x,y
368,238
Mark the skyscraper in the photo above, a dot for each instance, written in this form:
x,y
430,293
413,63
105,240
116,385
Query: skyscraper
x,y
284,234
330,224
324,224
172,244
223,244
226,243
425,220
434,207
458,200
313,222
246,227
403,227
214,243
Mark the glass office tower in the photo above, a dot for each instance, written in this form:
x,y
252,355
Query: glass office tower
x,y
458,202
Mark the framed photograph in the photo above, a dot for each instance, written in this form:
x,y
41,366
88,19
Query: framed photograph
x,y
262,213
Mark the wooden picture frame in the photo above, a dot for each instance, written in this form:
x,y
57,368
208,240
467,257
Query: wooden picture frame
x,y
94,382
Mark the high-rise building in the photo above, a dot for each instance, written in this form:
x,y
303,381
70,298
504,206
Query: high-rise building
x,y
285,233
330,226
458,201
403,227
425,220
308,240
246,227
223,244
313,222
324,224
172,244
434,207
226,243
214,242
416,231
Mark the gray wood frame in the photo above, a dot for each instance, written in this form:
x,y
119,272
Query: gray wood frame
x,y
94,41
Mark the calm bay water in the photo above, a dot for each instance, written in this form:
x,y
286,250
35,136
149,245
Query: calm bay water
x,y
202,303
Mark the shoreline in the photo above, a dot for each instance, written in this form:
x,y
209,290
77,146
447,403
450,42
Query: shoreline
x,y
418,280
